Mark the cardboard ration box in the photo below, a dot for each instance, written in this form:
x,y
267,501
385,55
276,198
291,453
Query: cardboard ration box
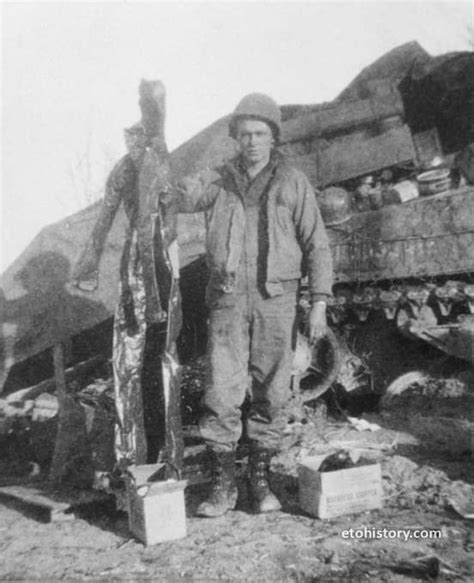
x,y
156,508
338,492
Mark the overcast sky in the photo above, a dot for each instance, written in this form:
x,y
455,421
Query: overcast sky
x,y
71,72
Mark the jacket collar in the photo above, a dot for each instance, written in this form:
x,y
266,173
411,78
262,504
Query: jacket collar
x,y
235,169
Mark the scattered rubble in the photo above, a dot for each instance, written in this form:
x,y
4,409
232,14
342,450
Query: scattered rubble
x,y
439,412
28,429
363,424
420,383
463,506
407,484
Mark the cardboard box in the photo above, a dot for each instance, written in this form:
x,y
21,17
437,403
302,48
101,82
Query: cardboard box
x,y
156,509
330,494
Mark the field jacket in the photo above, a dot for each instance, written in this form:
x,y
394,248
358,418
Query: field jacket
x,y
297,240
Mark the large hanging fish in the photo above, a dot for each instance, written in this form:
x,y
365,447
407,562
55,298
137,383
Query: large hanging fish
x,y
157,241
149,282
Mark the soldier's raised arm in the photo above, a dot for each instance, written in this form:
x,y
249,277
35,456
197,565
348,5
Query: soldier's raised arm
x,y
196,192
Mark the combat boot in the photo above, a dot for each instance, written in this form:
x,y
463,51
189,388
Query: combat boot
x,y
223,495
263,500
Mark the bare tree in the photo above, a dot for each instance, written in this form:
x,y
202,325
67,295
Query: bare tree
x,y
469,36
88,170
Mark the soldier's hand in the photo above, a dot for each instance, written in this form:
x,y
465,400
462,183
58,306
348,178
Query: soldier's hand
x,y
317,322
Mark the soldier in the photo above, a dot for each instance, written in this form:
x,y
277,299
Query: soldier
x,y
264,228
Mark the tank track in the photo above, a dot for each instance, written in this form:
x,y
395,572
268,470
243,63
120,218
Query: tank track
x,y
451,298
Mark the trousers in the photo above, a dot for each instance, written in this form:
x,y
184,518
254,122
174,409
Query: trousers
x,y
250,351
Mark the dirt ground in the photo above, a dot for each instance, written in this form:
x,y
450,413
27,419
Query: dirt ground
x,y
424,445
284,546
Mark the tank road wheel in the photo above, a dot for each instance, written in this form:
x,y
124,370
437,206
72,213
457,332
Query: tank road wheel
x,y
325,364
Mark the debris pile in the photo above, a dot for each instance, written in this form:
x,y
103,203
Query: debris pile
x,y
438,411
317,435
406,484
28,428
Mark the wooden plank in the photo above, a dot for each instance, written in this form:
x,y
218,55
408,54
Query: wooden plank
x,y
57,503
354,155
61,451
76,372
348,158
342,115
34,497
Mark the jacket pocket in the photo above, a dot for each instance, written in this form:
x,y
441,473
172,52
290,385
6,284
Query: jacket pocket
x,y
283,218
284,258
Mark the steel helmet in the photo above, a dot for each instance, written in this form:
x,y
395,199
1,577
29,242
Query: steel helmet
x,y
260,107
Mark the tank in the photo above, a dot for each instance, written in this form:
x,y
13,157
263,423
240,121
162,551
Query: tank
x,y
398,210
406,268
402,151
412,262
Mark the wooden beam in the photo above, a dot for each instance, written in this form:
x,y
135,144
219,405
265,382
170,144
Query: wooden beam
x,y
353,155
342,115
75,372
57,503
60,456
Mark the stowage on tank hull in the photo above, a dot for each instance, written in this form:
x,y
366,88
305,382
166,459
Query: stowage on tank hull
x,y
414,261
430,236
